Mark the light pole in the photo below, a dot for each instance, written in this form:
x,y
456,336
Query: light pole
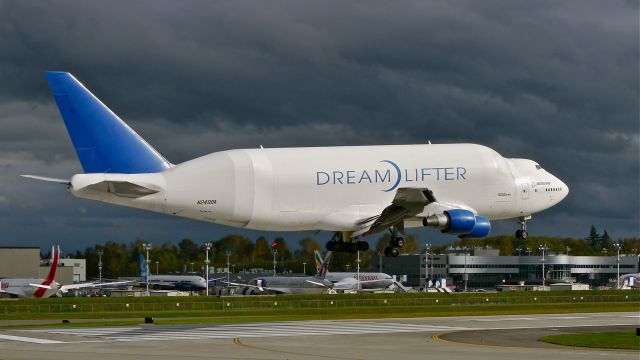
x,y
466,277
157,266
99,252
519,250
207,247
427,249
275,252
618,246
358,275
568,249
605,251
228,253
147,247
191,267
304,268
543,248
528,251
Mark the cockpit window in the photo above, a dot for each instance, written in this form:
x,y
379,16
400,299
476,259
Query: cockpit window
x,y
538,167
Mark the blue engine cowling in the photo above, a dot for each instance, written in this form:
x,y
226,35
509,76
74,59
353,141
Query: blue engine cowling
x,y
460,222
480,230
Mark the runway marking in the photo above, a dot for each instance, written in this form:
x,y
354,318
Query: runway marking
x,y
237,341
253,330
29,340
531,318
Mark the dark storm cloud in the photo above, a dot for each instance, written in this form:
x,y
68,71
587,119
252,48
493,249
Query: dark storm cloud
x,y
552,81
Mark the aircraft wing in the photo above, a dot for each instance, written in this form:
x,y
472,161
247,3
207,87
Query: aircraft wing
x,y
65,288
350,285
260,288
407,203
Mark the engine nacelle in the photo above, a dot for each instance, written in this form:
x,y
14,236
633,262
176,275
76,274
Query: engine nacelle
x,y
480,230
456,221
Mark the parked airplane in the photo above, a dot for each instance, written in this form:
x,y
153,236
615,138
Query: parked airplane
x,y
285,285
44,288
352,191
351,280
171,282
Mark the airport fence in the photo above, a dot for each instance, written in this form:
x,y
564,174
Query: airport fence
x,y
217,305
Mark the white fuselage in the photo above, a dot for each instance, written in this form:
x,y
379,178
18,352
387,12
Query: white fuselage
x,y
191,282
368,280
332,188
24,288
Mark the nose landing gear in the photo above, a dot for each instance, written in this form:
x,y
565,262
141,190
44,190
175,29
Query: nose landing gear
x,y
522,233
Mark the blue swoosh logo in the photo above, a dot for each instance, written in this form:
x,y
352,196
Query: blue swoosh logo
x,y
398,178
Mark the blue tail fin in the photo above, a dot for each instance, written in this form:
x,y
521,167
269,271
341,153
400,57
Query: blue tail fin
x,y
143,267
103,142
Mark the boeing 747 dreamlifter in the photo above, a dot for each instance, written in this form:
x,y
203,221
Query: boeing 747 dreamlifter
x,y
352,191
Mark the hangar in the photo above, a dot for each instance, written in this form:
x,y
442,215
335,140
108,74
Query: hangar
x,y
24,262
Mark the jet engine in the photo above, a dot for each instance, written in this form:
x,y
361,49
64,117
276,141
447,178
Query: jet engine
x,y
459,222
480,230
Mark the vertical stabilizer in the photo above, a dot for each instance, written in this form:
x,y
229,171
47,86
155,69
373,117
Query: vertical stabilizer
x,y
322,266
143,268
51,277
103,142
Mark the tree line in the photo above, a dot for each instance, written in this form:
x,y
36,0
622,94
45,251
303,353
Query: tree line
x,y
122,259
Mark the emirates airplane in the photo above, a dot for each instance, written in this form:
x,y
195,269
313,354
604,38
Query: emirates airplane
x,y
353,191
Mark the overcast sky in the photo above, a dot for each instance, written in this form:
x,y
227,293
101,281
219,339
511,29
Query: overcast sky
x,y
554,81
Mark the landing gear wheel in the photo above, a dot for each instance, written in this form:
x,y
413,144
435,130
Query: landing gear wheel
x,y
522,234
394,252
399,242
362,246
332,245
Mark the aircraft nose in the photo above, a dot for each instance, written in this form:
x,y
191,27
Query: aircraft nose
x,y
565,189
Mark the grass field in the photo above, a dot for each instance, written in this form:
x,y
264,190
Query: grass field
x,y
308,307
612,340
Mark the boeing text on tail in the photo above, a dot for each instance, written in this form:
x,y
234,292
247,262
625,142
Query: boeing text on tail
x,y
352,191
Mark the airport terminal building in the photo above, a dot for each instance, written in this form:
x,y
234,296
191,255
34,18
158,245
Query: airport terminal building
x,y
484,268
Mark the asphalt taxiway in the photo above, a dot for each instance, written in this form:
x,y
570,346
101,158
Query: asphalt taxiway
x,y
469,337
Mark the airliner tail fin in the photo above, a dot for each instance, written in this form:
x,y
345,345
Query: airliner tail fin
x,y
103,142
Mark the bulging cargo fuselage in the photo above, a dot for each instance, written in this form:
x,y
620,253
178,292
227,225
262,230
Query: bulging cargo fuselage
x,y
332,188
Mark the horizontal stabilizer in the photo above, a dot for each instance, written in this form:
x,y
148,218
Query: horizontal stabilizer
x,y
122,188
44,178
41,286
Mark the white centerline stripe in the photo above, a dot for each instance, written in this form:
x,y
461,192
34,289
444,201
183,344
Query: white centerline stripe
x,y
29,340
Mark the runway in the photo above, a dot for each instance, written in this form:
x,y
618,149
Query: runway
x,y
482,337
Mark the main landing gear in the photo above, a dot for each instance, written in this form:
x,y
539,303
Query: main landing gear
x,y
522,232
337,244
395,243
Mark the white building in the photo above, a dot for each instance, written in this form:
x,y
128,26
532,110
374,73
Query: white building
x,y
79,268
